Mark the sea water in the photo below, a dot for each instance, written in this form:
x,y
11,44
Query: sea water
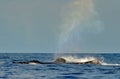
x,y
109,69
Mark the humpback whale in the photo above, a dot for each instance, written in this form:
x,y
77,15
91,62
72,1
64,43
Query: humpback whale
x,y
59,60
62,60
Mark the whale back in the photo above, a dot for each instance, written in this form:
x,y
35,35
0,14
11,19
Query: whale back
x,y
60,60
95,62
63,60
28,62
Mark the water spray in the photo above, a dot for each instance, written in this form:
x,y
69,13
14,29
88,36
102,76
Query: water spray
x,y
78,16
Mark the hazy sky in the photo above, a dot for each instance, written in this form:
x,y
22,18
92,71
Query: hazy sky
x,y
34,26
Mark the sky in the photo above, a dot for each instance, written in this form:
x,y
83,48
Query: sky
x,y
51,26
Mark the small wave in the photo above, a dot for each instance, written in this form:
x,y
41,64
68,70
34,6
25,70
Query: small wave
x,y
109,64
1,62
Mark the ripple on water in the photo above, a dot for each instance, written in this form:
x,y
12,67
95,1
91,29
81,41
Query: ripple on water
x,y
108,70
77,73
67,77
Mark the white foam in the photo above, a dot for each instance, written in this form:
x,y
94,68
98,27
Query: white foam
x,y
76,59
109,64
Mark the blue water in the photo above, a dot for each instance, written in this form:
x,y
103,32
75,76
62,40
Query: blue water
x,y
8,70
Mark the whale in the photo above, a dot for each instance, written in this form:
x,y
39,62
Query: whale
x,y
31,62
63,60
59,60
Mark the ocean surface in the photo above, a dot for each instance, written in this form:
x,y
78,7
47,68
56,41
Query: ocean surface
x,y
109,69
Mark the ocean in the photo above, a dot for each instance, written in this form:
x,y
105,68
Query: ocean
x,y
109,68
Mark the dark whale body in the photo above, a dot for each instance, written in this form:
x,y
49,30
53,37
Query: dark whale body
x,y
32,61
58,61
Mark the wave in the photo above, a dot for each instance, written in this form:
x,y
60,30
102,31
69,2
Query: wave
x,y
110,64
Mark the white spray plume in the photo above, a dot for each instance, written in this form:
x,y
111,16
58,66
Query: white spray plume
x,y
79,14
75,13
